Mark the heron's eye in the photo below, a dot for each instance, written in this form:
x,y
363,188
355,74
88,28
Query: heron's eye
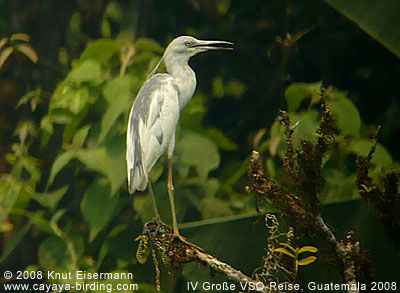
x,y
188,43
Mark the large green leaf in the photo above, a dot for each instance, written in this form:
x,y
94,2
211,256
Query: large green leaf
x,y
338,185
148,45
105,248
50,199
54,255
361,147
346,115
221,140
88,70
68,97
380,19
299,91
13,242
101,50
98,205
199,151
60,162
213,207
308,125
105,161
9,193
117,94
80,137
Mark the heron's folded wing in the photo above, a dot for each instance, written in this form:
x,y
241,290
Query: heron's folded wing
x,y
152,123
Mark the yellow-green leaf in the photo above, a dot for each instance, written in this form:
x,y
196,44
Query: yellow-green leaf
x,y
20,37
306,261
3,41
307,249
28,51
288,246
285,251
366,188
317,134
5,54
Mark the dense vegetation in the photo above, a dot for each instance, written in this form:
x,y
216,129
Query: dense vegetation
x,y
69,72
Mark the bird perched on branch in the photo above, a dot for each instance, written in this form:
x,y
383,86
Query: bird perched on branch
x,y
155,114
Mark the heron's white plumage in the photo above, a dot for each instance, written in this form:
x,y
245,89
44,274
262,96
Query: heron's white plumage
x,y
155,113
151,128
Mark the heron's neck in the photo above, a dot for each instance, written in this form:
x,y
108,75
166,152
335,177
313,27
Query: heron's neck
x,y
185,79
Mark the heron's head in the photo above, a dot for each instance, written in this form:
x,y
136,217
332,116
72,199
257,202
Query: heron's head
x,y
186,46
182,48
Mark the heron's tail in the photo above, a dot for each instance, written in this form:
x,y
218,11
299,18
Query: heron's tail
x,y
138,179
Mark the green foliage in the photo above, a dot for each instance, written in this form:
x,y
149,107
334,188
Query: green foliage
x,y
66,189
12,243
368,15
101,51
198,151
83,146
50,199
54,255
108,161
97,206
88,70
351,139
117,93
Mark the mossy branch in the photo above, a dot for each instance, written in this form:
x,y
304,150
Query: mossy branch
x,y
383,201
175,254
289,204
301,205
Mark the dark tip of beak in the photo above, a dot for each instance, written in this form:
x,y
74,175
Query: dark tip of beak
x,y
214,45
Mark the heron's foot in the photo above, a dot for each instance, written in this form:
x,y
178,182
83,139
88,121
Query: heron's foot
x,y
180,238
159,222
157,219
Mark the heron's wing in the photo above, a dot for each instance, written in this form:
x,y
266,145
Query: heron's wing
x,y
151,126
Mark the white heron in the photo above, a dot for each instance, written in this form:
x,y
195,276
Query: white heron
x,y
155,114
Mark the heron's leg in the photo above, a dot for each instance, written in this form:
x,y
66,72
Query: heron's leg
x,y
172,203
171,192
155,209
171,198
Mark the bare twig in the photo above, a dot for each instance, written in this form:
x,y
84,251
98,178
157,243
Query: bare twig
x,y
346,252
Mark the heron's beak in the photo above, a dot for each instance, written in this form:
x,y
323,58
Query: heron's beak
x,y
212,45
